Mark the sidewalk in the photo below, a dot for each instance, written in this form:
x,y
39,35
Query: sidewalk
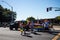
x,y
56,27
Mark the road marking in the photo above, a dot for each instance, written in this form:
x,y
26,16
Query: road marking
x,y
56,37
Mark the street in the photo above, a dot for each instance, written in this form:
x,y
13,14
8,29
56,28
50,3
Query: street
x,y
29,19
6,34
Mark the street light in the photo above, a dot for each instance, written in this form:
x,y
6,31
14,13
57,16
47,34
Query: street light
x,y
9,5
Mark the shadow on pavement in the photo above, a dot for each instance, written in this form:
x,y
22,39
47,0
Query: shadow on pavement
x,y
54,33
27,35
36,33
51,32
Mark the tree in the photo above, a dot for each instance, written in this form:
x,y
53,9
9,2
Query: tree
x,y
6,15
57,19
30,19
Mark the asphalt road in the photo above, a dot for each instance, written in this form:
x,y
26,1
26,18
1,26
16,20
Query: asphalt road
x,y
6,34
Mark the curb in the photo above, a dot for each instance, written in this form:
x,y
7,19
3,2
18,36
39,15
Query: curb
x,y
56,37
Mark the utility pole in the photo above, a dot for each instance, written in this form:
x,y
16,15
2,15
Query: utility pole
x,y
37,19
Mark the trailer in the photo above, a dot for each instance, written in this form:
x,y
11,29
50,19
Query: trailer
x,y
40,27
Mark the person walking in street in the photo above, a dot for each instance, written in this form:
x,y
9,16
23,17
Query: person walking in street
x,y
21,28
46,24
28,26
32,26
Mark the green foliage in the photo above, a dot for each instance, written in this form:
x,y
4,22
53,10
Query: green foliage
x,y
7,14
30,19
58,17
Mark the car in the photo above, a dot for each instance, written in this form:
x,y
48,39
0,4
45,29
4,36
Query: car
x,y
14,25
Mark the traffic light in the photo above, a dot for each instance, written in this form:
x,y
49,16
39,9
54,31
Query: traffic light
x,y
49,9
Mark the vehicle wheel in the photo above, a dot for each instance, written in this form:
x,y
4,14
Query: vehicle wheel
x,y
11,28
16,28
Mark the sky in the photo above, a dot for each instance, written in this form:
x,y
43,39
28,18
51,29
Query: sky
x,y
34,8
